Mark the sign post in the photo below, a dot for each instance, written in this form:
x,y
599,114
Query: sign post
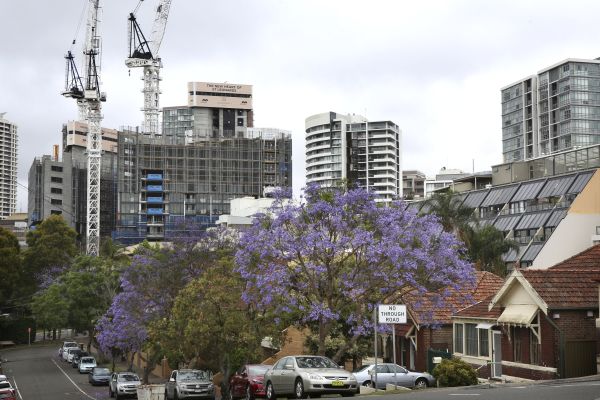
x,y
29,334
392,314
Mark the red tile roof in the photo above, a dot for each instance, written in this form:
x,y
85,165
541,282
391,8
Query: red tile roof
x,y
480,310
572,283
425,311
588,259
569,288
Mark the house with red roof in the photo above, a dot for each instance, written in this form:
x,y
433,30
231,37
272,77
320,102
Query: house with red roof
x,y
430,327
541,324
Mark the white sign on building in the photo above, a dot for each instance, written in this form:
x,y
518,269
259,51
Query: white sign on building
x,y
392,314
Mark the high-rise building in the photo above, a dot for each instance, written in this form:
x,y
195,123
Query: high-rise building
x,y
208,154
350,148
8,167
59,186
556,110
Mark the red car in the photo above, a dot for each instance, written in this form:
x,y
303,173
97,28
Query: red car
x,y
247,382
6,391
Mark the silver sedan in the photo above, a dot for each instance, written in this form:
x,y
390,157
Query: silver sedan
x,y
392,374
301,376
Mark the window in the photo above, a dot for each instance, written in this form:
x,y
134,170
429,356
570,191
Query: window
x,y
56,179
471,339
56,190
56,168
517,350
458,338
484,342
534,349
56,202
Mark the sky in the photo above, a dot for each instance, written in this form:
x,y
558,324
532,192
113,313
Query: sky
x,y
435,68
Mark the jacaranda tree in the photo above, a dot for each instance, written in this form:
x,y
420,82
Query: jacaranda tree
x,y
149,287
331,259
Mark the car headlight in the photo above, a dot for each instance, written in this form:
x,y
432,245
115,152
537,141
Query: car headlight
x,y
315,377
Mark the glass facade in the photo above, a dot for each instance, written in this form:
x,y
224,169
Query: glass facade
x,y
557,110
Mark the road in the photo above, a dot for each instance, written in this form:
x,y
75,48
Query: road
x,y
556,390
38,374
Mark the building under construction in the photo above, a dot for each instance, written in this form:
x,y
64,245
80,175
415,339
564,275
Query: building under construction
x,y
209,153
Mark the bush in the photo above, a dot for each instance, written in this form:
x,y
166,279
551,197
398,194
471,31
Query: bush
x,y
455,372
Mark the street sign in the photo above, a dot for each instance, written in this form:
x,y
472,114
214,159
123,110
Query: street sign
x,y
392,314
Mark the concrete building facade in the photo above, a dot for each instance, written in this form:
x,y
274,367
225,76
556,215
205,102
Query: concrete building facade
x,y
555,110
209,153
59,185
8,167
348,147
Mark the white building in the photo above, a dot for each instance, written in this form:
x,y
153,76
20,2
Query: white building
x,y
8,167
348,147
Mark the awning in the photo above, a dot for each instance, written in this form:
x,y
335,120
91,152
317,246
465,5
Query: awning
x,y
484,325
518,314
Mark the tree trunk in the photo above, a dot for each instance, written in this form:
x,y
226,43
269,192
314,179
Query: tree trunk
x,y
344,348
322,337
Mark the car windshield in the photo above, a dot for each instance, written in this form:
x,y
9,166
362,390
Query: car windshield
x,y
193,375
258,369
74,351
101,371
4,385
87,360
70,344
128,378
315,362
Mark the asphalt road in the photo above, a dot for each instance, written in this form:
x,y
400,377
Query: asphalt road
x,y
38,374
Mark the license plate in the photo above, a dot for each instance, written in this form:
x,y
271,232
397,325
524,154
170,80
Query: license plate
x,y
337,383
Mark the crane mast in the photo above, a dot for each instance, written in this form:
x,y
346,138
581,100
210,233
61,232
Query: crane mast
x,y
89,99
144,53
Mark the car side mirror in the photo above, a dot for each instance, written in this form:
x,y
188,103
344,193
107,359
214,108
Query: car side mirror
x,y
172,380
288,367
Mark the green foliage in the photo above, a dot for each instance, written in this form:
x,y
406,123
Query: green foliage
x,y
10,265
51,244
455,372
17,329
210,327
51,308
486,246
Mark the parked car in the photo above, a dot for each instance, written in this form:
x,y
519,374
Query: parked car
x,y
248,381
308,375
66,345
99,376
7,392
365,376
86,364
77,358
190,384
71,352
123,384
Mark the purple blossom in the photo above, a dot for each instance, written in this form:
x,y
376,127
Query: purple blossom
x,y
338,253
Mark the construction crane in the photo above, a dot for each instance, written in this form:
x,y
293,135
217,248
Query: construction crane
x,y
144,53
89,99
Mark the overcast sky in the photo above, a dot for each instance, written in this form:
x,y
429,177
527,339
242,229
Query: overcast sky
x,y
434,67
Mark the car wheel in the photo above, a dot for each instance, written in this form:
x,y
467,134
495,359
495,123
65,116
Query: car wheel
x,y
270,393
421,383
249,394
117,396
175,395
367,384
299,389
